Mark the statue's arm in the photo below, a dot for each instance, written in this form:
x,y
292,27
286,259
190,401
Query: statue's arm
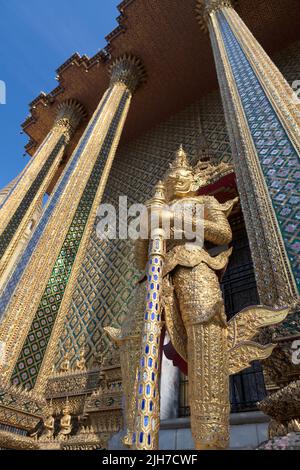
x,y
216,228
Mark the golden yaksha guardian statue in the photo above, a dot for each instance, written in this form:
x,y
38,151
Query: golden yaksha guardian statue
x,y
65,422
191,306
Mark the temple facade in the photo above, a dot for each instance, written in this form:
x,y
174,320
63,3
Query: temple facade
x,y
216,77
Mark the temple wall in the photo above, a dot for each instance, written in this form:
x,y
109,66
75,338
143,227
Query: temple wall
x,y
108,276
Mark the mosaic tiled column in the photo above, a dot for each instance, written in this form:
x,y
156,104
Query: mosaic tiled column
x,y
40,289
263,123
20,204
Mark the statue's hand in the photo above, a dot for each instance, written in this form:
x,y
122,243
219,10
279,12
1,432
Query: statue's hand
x,y
158,217
163,214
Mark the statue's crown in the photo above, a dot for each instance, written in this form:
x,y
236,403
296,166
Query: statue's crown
x,y
180,160
66,407
50,408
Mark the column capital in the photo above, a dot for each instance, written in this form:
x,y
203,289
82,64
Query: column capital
x,y
69,115
129,70
205,7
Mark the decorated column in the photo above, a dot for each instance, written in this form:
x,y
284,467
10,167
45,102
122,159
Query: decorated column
x,y
23,199
263,123
37,296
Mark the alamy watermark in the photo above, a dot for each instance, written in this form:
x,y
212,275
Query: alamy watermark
x,y
182,221
2,92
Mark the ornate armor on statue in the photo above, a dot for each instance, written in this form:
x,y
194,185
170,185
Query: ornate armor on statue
x,y
192,310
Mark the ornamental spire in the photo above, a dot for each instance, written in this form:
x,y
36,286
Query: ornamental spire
x,y
205,7
129,70
69,114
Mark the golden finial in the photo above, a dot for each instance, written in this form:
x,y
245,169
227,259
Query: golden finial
x,y
159,196
66,407
181,160
50,407
159,191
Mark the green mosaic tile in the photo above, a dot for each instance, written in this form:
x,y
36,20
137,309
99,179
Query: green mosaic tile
x,y
46,314
17,217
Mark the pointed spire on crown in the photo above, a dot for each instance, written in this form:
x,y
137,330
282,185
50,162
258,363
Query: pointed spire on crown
x,y
66,407
181,160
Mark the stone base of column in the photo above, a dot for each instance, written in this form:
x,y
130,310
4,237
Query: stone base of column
x,y
116,442
247,431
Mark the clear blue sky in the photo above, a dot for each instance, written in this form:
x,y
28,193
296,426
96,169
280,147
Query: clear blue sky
x,y
36,37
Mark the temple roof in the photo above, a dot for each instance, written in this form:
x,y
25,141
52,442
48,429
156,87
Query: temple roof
x,y
177,56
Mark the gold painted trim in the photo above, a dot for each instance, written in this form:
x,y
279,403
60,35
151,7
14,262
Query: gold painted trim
x,y
69,115
278,91
5,267
285,284
19,316
258,250
67,299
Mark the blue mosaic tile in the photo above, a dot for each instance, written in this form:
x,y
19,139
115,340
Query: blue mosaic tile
x,y
45,317
22,174
19,270
277,155
16,219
